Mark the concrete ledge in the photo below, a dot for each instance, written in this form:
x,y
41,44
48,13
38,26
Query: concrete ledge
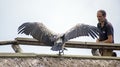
x,y
14,55
29,55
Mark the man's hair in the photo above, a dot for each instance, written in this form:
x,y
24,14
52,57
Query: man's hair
x,y
103,12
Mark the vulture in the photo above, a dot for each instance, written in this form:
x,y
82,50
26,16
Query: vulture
x,y
40,32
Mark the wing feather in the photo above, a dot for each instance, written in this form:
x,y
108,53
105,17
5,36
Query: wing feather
x,y
37,30
82,30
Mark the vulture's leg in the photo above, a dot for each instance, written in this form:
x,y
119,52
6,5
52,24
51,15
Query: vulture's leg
x,y
61,52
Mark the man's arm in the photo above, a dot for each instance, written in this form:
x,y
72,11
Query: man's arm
x,y
109,40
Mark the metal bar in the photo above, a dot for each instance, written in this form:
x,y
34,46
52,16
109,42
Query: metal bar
x,y
73,44
7,42
78,44
17,48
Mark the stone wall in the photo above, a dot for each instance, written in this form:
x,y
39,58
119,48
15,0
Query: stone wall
x,y
56,62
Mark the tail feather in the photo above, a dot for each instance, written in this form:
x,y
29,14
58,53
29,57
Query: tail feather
x,y
56,47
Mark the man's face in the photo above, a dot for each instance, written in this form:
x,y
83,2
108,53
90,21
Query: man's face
x,y
100,17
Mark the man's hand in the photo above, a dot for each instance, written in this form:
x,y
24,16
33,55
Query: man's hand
x,y
97,41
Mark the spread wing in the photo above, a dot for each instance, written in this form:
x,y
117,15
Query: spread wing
x,y
36,30
82,30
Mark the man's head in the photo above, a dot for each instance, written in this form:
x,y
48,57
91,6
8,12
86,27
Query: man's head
x,y
101,15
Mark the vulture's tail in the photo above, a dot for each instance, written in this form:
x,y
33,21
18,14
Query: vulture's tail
x,y
56,47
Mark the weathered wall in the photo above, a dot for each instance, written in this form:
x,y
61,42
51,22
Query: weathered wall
x,y
56,62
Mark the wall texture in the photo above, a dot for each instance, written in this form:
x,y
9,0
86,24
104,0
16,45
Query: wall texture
x,y
56,62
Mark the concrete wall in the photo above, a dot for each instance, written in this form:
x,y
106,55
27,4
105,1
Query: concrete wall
x,y
56,62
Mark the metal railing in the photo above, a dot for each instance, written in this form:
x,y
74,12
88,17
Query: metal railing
x,y
74,44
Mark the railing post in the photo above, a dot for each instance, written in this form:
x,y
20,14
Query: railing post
x,y
17,48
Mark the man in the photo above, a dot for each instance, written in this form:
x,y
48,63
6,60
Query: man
x,y
107,35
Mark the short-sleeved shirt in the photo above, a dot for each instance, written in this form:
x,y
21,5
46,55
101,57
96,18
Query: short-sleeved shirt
x,y
106,30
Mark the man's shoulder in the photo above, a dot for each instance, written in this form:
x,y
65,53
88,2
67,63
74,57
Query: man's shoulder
x,y
109,24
